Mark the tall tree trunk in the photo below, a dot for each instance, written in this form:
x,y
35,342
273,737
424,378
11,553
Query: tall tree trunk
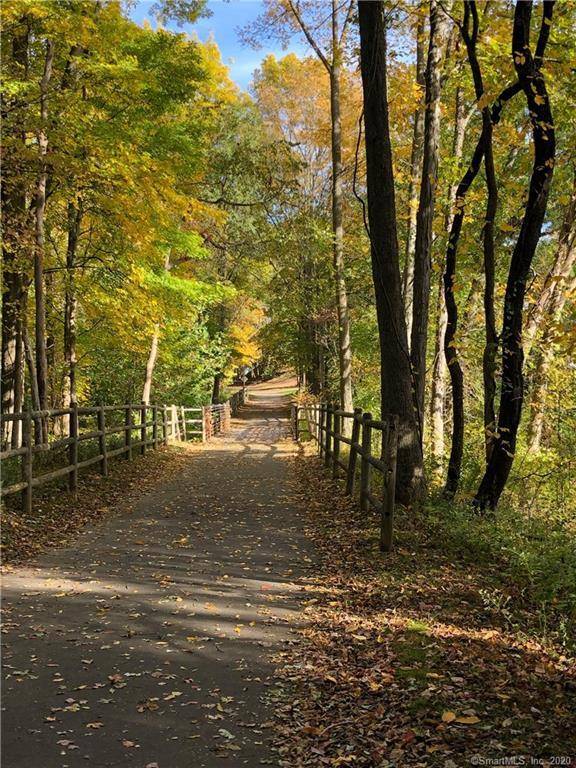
x,y
450,344
543,360
415,172
40,207
333,64
71,306
150,363
344,347
491,335
488,244
34,395
438,392
439,28
153,354
19,362
532,81
396,379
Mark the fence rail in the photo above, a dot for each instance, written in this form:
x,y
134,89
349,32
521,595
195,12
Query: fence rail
x,y
332,428
140,426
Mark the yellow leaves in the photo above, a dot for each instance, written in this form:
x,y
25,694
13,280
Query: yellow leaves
x,y
467,720
244,331
149,705
173,695
448,716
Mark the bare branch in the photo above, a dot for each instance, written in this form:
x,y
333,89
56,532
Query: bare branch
x,y
308,35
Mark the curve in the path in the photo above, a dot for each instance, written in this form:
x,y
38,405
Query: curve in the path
x,y
150,642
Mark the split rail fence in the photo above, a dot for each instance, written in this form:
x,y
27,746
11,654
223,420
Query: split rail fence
x,y
132,429
369,442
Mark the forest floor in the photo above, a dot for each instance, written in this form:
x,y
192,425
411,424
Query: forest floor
x,y
149,639
415,658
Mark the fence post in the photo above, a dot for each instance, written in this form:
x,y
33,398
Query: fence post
x,y
389,490
102,441
365,464
73,448
175,424
327,444
164,425
321,427
206,423
143,414
352,458
128,431
155,427
338,421
27,463
183,417
296,422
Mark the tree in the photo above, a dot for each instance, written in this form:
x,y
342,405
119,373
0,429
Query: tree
x,y
533,84
396,380
328,39
415,170
439,32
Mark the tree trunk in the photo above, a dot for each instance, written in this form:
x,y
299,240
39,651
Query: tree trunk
x,y
151,362
153,354
217,386
40,207
438,393
491,335
450,345
439,27
344,347
415,173
396,380
34,395
488,245
533,85
71,307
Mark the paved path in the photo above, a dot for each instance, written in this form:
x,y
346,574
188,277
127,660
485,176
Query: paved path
x,y
149,642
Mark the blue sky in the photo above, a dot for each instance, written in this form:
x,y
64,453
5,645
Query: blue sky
x,y
222,25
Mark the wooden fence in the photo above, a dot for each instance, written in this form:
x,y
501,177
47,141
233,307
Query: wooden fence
x,y
139,427
370,442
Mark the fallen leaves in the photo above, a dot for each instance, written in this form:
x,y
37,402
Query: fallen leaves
x,y
399,665
57,518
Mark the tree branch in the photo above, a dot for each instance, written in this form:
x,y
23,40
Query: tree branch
x,y
308,36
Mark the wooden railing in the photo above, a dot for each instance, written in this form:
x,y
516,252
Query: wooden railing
x,y
139,427
370,442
